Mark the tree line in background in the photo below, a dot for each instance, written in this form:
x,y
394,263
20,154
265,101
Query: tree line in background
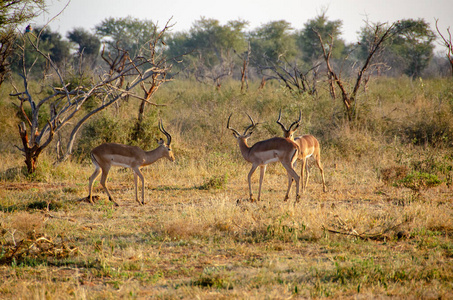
x,y
127,57
213,52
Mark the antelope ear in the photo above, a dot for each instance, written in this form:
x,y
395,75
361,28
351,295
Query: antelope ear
x,y
160,141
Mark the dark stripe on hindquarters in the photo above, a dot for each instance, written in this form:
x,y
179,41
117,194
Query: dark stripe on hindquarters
x,y
95,161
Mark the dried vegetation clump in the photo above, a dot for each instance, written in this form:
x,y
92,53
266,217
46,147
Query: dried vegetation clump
x,y
23,241
394,173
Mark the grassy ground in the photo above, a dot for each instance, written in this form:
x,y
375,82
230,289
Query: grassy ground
x,y
198,237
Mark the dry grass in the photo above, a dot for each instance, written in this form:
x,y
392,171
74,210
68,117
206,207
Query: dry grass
x,y
199,237
362,238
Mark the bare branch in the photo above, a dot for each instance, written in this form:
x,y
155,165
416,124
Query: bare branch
x,y
448,44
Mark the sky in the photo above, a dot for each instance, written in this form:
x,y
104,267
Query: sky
x,y
353,13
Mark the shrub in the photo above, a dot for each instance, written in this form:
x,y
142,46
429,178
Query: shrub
x,y
102,129
417,181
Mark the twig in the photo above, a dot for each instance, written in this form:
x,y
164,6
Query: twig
x,y
363,236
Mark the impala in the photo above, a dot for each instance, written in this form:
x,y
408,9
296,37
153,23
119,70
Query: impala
x,y
308,146
110,154
265,152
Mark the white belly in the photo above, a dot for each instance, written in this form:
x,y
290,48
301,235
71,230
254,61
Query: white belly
x,y
268,157
114,163
272,160
121,161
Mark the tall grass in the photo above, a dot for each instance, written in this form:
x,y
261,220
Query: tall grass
x,y
197,236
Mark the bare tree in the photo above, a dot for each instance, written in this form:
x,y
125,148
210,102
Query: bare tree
x,y
349,96
448,44
214,74
245,69
292,76
150,86
65,105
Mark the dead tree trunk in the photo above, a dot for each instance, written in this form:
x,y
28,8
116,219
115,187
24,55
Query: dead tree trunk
x,y
31,149
263,83
244,70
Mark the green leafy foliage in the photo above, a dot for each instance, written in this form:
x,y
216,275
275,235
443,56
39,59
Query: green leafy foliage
x,y
414,44
50,43
308,40
13,14
272,40
130,34
103,129
417,181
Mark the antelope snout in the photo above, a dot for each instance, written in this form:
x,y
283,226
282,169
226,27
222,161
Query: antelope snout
x,y
171,157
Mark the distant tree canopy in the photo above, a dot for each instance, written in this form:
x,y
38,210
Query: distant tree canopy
x,y
209,44
309,43
130,34
209,37
414,45
51,43
410,49
272,41
89,44
58,48
213,50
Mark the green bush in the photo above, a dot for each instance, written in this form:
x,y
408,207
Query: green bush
x,y
102,129
417,181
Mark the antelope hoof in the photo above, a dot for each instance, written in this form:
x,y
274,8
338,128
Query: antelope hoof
x,y
286,198
90,199
297,198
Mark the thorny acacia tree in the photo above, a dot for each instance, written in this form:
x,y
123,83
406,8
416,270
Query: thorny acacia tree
x,y
379,37
64,104
292,76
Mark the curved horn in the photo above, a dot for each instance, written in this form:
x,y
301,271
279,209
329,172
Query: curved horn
x,y
252,126
162,129
278,120
232,129
296,122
